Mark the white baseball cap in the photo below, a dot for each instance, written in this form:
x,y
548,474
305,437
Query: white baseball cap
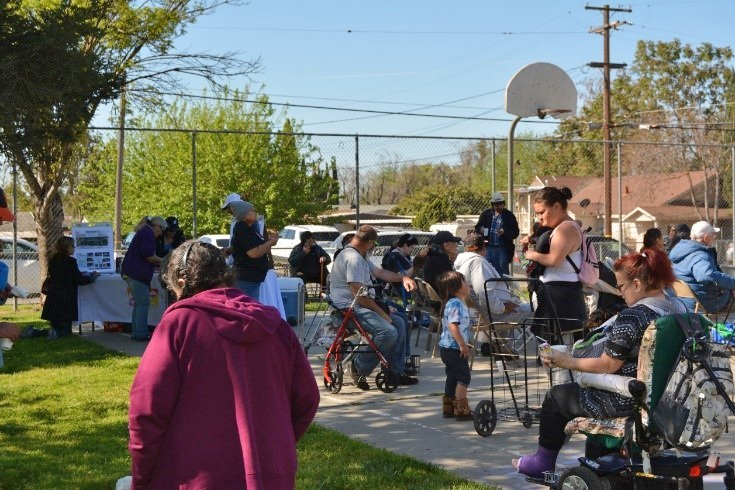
x,y
702,228
234,197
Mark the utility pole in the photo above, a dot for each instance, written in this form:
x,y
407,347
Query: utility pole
x,y
119,172
606,116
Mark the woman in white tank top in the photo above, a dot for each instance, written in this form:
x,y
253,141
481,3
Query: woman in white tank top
x,y
561,295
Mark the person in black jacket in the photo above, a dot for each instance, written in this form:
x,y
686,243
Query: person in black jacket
x,y
440,256
309,261
60,308
171,237
249,249
499,226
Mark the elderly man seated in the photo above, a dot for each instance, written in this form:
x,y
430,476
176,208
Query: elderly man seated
x,y
503,305
308,260
351,270
695,263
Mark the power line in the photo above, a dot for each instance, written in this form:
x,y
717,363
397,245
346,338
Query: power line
x,y
368,111
388,31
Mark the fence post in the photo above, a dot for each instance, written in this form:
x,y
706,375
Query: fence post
x,y
194,183
357,181
510,198
119,174
15,232
493,164
620,199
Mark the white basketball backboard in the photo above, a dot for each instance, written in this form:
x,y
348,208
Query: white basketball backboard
x,y
541,89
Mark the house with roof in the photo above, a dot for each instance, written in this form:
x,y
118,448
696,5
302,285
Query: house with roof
x,y
26,223
344,217
639,202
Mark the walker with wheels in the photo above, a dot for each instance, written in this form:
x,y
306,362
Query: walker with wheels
x,y
351,338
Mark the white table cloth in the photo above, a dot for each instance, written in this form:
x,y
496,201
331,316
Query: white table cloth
x,y
109,299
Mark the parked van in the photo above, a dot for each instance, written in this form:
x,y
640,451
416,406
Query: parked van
x,y
219,241
290,236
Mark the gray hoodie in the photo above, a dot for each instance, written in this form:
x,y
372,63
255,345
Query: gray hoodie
x,y
476,270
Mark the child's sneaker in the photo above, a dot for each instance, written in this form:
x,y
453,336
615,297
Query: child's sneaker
x,y
19,292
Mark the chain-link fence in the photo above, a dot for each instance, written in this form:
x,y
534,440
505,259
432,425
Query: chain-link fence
x,y
412,182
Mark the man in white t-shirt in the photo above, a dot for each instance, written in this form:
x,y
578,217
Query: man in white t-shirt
x,y
352,270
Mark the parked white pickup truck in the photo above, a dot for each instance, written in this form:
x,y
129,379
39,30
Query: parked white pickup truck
x,y
290,236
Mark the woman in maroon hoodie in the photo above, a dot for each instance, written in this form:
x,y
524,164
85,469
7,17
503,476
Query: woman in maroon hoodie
x,y
223,391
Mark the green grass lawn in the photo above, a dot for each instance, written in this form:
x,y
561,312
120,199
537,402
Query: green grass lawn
x,y
64,411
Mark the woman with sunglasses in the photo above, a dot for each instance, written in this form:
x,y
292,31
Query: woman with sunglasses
x,y
641,279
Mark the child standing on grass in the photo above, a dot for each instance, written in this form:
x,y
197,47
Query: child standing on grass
x,y
454,346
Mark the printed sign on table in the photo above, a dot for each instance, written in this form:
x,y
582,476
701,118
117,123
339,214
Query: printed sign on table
x,y
94,247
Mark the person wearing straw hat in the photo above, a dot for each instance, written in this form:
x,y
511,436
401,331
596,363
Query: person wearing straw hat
x,y
499,226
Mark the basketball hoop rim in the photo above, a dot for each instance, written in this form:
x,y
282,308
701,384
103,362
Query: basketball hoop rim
x,y
542,113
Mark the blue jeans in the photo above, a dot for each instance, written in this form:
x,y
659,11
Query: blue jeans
x,y
402,348
250,288
142,300
403,317
497,255
385,337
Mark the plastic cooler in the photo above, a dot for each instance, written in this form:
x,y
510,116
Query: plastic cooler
x,y
292,294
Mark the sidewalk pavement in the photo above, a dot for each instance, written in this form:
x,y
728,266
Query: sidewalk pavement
x,y
409,421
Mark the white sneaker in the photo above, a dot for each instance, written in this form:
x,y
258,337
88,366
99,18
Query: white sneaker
x,y
19,292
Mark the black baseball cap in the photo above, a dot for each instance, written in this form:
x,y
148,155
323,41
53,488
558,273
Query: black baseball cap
x,y
407,239
443,237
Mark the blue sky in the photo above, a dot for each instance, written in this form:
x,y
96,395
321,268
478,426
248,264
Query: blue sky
x,y
442,58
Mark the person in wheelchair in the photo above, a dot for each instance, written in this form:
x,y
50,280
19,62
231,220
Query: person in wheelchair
x,y
641,279
352,270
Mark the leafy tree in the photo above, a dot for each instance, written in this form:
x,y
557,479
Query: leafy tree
x,y
283,175
83,53
672,86
438,203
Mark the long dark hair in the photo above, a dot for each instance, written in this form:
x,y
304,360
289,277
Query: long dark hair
x,y
650,237
62,246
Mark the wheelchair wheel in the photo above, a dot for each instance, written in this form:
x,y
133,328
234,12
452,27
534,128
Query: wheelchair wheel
x,y
485,418
579,478
336,376
333,385
387,381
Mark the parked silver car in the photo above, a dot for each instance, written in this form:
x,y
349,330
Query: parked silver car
x,y
29,269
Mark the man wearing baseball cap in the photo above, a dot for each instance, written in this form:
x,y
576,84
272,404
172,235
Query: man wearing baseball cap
x,y
440,256
695,263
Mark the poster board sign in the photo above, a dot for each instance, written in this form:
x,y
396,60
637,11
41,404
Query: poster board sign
x,y
94,247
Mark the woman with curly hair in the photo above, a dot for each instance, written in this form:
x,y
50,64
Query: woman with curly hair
x,y
223,391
